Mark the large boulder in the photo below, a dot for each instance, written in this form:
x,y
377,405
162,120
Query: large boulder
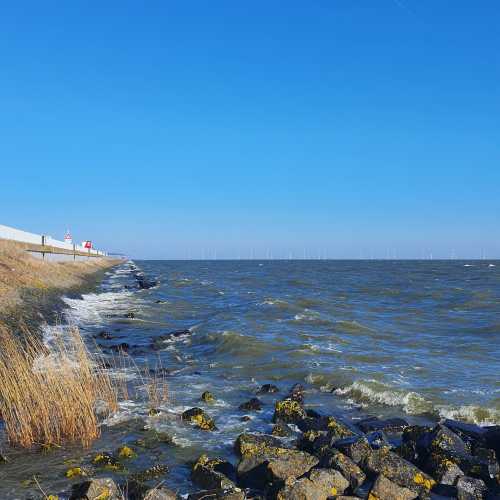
x,y
398,470
251,444
319,485
390,425
469,488
384,489
334,459
330,424
356,448
272,468
104,487
213,473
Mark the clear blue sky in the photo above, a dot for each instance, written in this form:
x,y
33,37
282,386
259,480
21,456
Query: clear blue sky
x,y
343,127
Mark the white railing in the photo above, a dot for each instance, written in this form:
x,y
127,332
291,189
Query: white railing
x,y
10,233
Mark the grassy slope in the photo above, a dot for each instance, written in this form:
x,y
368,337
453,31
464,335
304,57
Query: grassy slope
x,y
19,273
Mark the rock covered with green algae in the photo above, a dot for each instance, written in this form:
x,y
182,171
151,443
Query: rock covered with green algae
x,y
207,397
213,473
199,418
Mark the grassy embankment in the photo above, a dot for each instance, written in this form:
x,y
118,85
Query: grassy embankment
x,y
50,395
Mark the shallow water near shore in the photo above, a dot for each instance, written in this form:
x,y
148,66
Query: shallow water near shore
x,y
419,339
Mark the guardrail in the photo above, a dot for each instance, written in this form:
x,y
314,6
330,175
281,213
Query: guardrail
x,y
47,244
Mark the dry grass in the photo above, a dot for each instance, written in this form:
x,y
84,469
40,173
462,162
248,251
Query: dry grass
x,y
50,396
19,270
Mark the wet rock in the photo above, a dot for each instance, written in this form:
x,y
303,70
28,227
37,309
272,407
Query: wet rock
x,y
398,470
319,485
273,467
469,488
468,432
213,473
289,411
444,492
153,412
281,430
154,472
153,439
384,489
442,470
126,452
356,448
245,418
297,393
491,439
230,494
254,404
411,447
130,315
199,418
267,389
315,442
107,461
334,459
104,335
378,439
333,425
444,446
390,425
251,444
208,397
159,341
104,488
123,347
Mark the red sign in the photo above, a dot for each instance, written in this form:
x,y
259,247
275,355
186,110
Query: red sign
x,y
88,244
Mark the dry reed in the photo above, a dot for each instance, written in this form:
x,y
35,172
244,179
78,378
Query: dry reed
x,y
49,396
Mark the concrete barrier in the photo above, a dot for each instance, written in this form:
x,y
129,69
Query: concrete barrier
x,y
48,244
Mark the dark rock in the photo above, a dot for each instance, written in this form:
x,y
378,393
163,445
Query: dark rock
x,y
389,425
153,412
319,485
107,461
130,315
252,444
377,439
198,417
443,446
334,426
213,473
159,341
398,470
411,447
466,431
491,439
315,442
334,459
469,488
230,494
104,335
444,491
123,347
208,397
356,448
384,489
150,473
95,488
281,430
442,470
253,404
245,418
267,389
265,461
289,411
297,393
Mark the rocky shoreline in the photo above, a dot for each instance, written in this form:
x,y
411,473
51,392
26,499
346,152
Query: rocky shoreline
x,y
312,456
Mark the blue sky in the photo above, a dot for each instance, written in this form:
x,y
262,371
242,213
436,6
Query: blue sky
x,y
341,128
